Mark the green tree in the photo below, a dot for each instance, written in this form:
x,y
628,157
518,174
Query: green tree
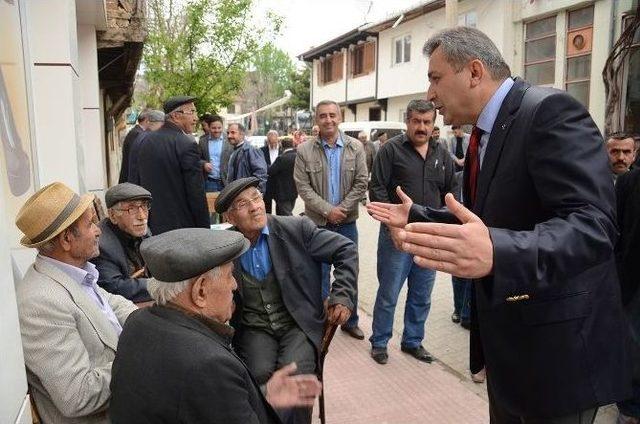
x,y
300,88
201,48
268,77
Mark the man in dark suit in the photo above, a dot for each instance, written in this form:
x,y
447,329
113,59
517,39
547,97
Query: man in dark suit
x,y
280,314
148,120
120,265
281,179
271,150
175,363
169,167
213,150
537,237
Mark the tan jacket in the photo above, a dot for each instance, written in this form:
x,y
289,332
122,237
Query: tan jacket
x,y
69,345
311,176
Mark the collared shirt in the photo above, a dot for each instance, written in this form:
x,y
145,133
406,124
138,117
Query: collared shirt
x,y
215,152
257,261
334,155
273,154
489,114
87,278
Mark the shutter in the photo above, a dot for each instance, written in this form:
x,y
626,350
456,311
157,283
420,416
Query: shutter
x,y
319,72
369,57
338,64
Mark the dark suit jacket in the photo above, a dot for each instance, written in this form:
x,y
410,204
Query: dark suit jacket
x,y
297,248
280,181
174,368
628,247
545,192
203,145
126,148
134,154
169,167
115,269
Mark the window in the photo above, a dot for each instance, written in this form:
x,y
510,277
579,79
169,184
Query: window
x,y
363,59
540,51
579,36
631,99
402,49
469,19
330,69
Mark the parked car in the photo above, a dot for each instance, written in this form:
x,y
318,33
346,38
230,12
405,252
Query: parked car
x,y
373,128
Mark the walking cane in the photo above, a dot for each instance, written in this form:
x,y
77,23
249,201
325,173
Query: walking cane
x,y
329,331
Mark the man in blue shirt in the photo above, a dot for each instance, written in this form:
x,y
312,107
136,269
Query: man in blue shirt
x,y
280,314
212,147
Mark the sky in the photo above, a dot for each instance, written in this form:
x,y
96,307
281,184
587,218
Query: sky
x,y
309,23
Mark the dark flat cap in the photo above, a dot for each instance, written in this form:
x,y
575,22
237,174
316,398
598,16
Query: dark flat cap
x,y
125,191
189,252
231,191
176,101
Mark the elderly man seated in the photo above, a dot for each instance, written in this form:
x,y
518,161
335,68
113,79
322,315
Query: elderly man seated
x,y
175,363
69,325
280,314
121,267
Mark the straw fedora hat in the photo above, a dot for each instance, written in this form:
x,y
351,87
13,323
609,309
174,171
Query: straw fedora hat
x,y
48,212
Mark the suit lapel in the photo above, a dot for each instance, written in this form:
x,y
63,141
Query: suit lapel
x,y
499,133
276,243
100,323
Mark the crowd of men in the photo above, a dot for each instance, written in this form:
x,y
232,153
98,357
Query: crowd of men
x,y
150,316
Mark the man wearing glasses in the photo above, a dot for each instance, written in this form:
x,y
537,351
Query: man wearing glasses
x,y
121,267
169,167
280,315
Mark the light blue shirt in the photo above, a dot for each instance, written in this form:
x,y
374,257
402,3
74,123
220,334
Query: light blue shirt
x,y
215,152
87,278
489,114
334,155
257,261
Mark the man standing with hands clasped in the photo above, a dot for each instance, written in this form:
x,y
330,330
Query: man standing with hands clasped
x,y
537,237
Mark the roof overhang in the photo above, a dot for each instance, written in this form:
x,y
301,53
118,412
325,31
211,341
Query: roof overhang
x,y
404,16
344,40
92,12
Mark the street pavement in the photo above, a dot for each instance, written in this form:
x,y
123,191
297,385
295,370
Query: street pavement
x,y
405,391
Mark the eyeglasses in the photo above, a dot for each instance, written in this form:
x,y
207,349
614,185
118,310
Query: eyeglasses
x,y
133,209
244,204
188,112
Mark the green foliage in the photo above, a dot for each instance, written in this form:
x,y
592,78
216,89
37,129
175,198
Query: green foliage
x,y
268,77
300,88
201,48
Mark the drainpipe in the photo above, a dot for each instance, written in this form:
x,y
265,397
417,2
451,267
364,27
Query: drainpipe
x,y
346,78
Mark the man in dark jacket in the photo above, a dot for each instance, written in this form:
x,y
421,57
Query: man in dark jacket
x,y
169,167
271,151
120,265
245,161
280,315
281,180
213,150
148,120
175,363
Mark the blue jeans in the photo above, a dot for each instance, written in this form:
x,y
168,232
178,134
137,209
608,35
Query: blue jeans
x,y
212,185
462,297
350,231
394,267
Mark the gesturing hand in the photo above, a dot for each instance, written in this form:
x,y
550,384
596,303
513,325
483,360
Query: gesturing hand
x,y
392,214
462,250
285,390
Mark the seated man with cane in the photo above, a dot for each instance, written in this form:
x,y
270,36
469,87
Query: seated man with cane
x,y
280,315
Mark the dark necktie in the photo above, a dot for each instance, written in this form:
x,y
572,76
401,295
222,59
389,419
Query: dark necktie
x,y
472,166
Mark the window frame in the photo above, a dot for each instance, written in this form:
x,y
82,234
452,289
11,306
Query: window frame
x,y
568,57
539,37
403,55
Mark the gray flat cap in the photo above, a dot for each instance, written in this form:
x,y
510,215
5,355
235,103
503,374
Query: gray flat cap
x,y
125,191
189,252
231,191
155,116
176,101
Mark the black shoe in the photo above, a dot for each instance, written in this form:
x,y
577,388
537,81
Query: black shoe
x,y
354,332
455,318
465,324
419,353
379,354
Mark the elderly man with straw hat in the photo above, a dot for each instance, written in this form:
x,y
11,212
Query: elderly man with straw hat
x,y
69,325
175,363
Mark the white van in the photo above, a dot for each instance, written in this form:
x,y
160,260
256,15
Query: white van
x,y
373,128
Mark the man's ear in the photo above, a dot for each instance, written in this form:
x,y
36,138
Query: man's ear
x,y
228,216
477,71
64,238
112,215
198,294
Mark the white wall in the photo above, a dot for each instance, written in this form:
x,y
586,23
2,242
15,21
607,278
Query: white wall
x,y
333,91
409,77
361,87
362,111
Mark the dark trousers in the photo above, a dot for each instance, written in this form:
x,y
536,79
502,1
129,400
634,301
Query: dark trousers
x,y
264,353
285,207
498,415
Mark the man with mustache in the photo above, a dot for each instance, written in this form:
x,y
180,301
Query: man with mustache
x,y
621,150
121,267
425,171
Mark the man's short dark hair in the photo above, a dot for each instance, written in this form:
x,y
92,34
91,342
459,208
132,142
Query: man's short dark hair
x,y
621,136
435,127
241,127
420,106
210,119
286,143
